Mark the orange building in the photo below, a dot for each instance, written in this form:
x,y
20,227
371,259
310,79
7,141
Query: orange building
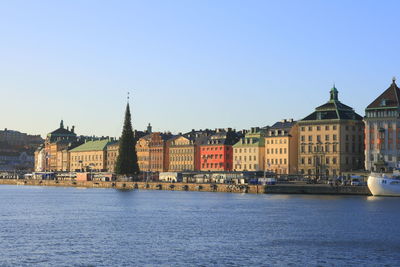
x,y
153,152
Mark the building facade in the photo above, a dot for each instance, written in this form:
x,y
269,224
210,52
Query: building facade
x,y
182,151
57,141
159,151
382,131
153,152
143,153
90,156
112,154
249,151
216,153
331,140
281,147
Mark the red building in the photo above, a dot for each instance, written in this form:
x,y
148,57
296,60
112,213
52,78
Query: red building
x,y
216,152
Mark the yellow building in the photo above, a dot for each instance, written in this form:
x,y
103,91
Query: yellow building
x,y
331,140
143,153
90,156
54,155
248,153
112,154
181,154
281,144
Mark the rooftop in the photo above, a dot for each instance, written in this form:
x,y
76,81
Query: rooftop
x,y
388,99
97,145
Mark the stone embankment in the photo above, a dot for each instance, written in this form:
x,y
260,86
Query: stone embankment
x,y
227,188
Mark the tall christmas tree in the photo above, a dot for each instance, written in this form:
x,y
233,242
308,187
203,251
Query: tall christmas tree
x,y
126,163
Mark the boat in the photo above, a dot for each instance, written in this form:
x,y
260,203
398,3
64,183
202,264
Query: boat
x,y
381,184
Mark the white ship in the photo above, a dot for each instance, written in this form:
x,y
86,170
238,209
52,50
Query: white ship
x,y
384,184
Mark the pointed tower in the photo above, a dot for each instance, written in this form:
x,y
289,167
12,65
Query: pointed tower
x,y
126,163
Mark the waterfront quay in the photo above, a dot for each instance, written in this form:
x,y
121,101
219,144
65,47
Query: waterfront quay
x,y
288,188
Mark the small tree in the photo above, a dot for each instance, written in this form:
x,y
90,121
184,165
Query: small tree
x,y
126,163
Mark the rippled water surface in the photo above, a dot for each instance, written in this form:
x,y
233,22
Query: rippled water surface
x,y
51,226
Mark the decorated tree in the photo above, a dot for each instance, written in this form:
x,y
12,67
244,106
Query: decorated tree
x,y
126,163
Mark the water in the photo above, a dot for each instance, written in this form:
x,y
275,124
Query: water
x,y
53,226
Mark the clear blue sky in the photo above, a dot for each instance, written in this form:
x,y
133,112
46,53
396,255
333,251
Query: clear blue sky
x,y
189,64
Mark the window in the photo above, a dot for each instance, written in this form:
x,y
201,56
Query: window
x,y
310,138
327,137
334,137
318,128
327,127
310,128
334,127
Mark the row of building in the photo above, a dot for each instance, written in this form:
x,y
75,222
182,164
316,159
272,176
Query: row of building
x,y
331,140
17,149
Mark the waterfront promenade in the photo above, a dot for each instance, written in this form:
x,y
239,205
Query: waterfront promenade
x,y
202,187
